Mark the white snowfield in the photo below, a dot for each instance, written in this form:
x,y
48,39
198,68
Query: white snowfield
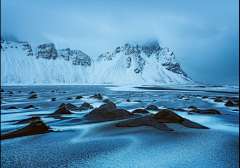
x,y
129,64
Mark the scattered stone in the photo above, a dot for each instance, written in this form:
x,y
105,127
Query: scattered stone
x,y
64,92
98,96
108,112
19,91
236,101
32,92
69,98
54,99
139,101
205,97
209,111
33,96
128,100
12,107
28,107
11,92
142,111
78,97
187,99
2,90
152,107
53,91
62,110
193,109
85,106
190,113
229,103
35,127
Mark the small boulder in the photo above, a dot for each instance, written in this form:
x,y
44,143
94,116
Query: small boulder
x,y
2,90
32,92
229,103
128,100
28,107
54,99
33,96
12,107
142,111
69,98
62,110
98,96
85,106
152,107
205,97
78,97
11,92
139,101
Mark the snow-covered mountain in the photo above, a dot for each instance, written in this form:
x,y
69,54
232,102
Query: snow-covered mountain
x,y
129,64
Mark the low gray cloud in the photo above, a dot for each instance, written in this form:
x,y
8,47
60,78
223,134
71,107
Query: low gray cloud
x,y
204,35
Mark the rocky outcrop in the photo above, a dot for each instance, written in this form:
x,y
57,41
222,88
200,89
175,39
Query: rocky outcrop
x,y
46,51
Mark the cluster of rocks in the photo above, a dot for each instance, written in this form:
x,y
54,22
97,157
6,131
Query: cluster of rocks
x,y
97,96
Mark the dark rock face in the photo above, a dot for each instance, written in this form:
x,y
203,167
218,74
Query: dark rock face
x,y
27,48
35,127
12,107
142,111
76,56
150,47
33,96
173,67
152,107
47,51
85,106
108,112
62,110
229,103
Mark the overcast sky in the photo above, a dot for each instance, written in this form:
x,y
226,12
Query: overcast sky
x,y
203,34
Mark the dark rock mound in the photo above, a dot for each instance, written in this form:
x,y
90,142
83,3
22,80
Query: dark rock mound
x,y
152,107
11,92
53,91
168,116
33,96
108,112
28,107
193,109
229,103
98,96
32,92
142,111
72,107
236,101
157,120
218,100
54,99
19,91
69,98
209,111
28,120
205,97
128,100
78,97
62,110
35,127
2,90
12,107
85,106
